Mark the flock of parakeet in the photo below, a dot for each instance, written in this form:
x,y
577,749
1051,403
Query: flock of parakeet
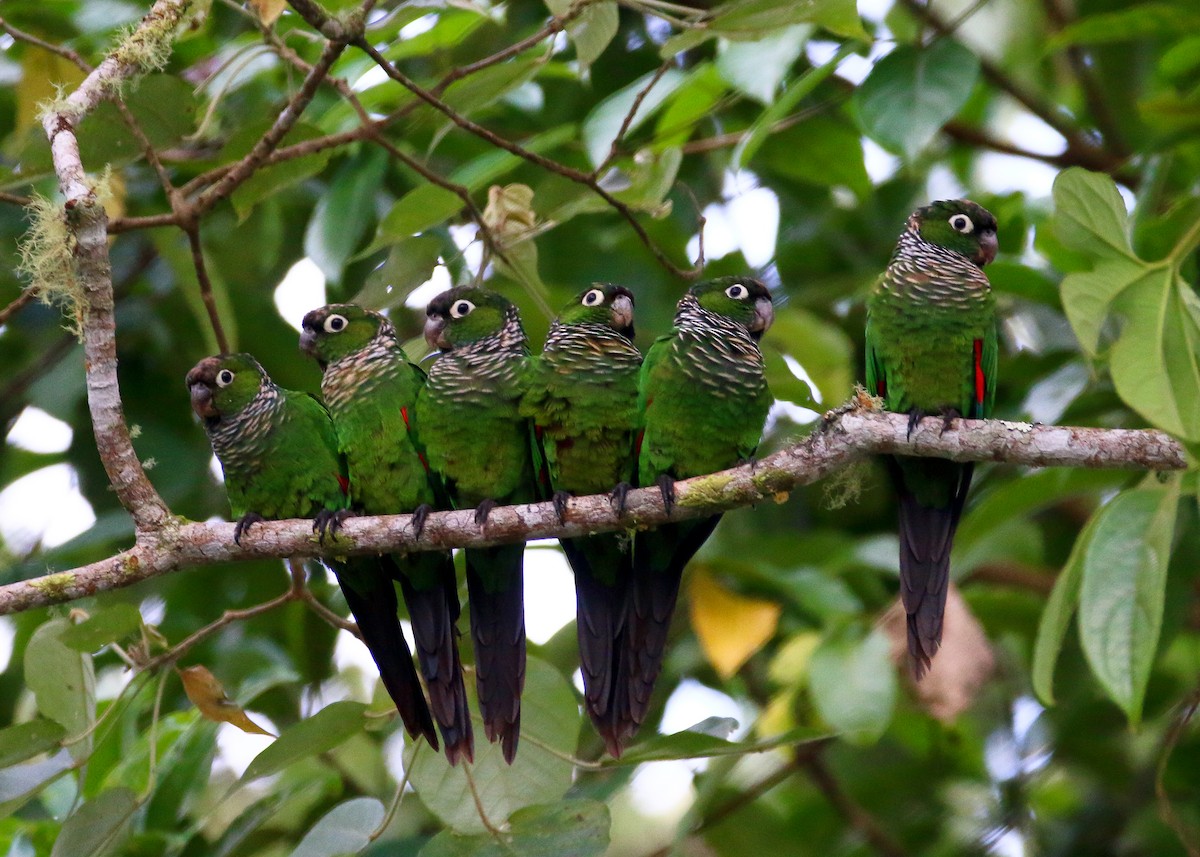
x,y
493,425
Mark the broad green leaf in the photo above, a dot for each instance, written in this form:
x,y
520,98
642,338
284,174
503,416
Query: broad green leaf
x,y
606,118
1139,21
97,827
591,30
549,719
692,102
750,19
106,626
409,264
481,89
62,681
344,213
911,93
820,346
326,729
270,180
822,151
853,684
1122,590
421,208
19,782
1089,214
183,773
26,740
690,744
452,28
569,828
757,68
488,168
345,829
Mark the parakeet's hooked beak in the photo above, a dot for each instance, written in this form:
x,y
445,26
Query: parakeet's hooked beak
x,y
764,315
987,247
202,401
435,333
621,310
308,341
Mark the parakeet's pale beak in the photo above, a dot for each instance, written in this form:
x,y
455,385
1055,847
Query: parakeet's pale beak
x,y
764,315
202,400
622,312
987,247
435,333
308,341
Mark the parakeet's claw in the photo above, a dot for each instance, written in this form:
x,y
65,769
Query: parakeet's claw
x,y
752,461
914,419
619,495
666,486
244,523
483,510
561,499
419,515
948,416
327,522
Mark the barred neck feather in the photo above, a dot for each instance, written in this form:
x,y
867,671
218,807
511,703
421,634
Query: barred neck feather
x,y
239,439
588,348
920,270
363,370
485,366
716,351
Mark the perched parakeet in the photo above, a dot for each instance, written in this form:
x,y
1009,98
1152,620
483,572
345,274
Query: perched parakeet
x,y
931,349
704,400
371,388
583,400
476,440
279,453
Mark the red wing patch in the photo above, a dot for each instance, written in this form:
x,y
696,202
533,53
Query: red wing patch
x,y
404,416
343,483
980,381
880,388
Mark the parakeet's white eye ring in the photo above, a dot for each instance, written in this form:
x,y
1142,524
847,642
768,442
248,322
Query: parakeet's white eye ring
x,y
594,297
460,308
737,291
224,378
962,223
335,324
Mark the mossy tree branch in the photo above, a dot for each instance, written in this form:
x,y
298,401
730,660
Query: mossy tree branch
x,y
847,435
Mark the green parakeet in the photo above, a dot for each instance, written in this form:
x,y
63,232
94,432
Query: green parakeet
x,y
477,441
371,388
583,399
704,400
931,349
279,454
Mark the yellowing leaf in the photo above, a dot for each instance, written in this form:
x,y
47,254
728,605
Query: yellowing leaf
x,y
790,664
207,694
268,10
731,627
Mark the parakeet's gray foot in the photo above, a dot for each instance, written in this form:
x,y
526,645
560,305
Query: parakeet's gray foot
x,y
666,487
561,498
244,523
948,416
420,514
914,419
327,523
483,510
619,495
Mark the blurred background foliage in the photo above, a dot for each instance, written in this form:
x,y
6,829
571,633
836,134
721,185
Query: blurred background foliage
x,y
805,133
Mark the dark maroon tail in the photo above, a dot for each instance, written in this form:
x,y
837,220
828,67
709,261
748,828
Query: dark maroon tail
x,y
495,587
371,596
602,566
926,537
659,557
430,591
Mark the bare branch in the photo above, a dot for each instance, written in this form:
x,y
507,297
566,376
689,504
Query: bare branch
x,y
847,435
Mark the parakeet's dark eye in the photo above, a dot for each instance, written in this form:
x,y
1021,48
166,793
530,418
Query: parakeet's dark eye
x,y
335,323
224,378
594,297
737,291
460,308
962,223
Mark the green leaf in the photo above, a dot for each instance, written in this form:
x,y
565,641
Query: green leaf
x,y
421,208
820,346
409,264
1122,591
1140,21
1089,214
853,684
604,122
481,89
751,19
591,30
329,727
266,181
19,782
692,102
911,93
345,829
549,719
344,213
688,744
97,827
26,740
820,151
757,68
488,168
106,626
578,828
63,682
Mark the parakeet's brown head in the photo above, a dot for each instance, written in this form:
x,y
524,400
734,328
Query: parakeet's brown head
x,y
222,386
603,303
959,225
744,300
339,330
465,315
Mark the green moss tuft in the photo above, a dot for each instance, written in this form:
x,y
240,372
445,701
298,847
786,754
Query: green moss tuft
x,y
845,486
707,491
54,585
47,259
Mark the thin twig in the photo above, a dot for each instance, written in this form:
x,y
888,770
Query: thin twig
x,y
14,198
1189,838
20,302
854,813
206,289
615,148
